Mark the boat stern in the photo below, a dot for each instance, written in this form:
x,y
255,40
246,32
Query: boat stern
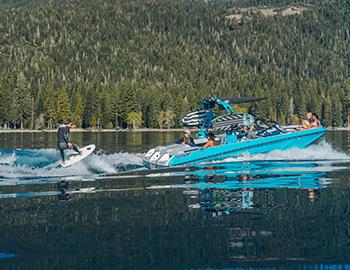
x,y
162,155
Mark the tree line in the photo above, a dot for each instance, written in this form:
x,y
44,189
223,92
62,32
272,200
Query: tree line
x,y
119,64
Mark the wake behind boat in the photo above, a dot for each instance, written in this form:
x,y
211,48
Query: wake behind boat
x,y
266,139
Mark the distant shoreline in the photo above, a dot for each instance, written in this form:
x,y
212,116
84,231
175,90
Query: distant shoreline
x,y
92,130
122,130
338,128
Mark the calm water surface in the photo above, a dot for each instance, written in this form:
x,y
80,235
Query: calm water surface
x,y
286,209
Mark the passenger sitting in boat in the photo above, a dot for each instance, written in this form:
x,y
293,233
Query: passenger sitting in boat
x,y
314,120
251,134
247,133
308,116
211,140
186,139
305,124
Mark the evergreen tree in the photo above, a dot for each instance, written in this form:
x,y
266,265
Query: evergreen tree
x,y
50,107
77,115
6,100
327,112
63,106
116,109
106,110
336,112
21,102
89,118
300,101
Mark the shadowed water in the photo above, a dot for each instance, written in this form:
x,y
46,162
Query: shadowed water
x,y
285,209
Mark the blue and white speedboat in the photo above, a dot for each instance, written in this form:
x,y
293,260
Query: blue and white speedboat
x,y
228,144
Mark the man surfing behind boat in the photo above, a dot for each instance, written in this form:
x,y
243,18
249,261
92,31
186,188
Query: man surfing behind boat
x,y
63,139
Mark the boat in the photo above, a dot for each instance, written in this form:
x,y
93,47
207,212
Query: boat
x,y
228,144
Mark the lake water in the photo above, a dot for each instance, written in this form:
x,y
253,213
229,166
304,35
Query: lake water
x,y
287,209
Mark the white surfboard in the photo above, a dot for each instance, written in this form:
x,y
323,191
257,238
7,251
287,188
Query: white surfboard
x,y
86,151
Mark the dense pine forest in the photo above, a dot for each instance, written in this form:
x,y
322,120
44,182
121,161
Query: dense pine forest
x,y
131,63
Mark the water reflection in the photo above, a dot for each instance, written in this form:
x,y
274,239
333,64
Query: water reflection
x,y
217,217
63,186
230,188
7,255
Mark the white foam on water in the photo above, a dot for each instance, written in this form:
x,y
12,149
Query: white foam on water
x,y
8,159
113,162
42,163
322,151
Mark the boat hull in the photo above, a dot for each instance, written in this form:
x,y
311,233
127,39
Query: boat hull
x,y
299,139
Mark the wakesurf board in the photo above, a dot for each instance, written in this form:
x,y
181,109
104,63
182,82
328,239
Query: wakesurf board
x,y
86,151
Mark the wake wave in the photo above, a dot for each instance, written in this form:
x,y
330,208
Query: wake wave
x,y
42,163
17,166
322,151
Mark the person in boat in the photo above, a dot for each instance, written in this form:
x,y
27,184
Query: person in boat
x,y
211,140
186,139
305,123
247,133
63,142
251,134
308,116
314,120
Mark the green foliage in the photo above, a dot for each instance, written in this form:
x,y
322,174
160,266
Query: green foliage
x,y
78,110
63,106
49,107
5,97
166,119
161,57
20,109
327,112
134,119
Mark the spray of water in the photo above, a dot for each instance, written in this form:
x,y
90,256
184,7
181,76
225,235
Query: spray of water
x,y
35,165
44,163
323,151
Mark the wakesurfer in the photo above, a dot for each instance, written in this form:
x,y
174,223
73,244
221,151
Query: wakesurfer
x,y
63,139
